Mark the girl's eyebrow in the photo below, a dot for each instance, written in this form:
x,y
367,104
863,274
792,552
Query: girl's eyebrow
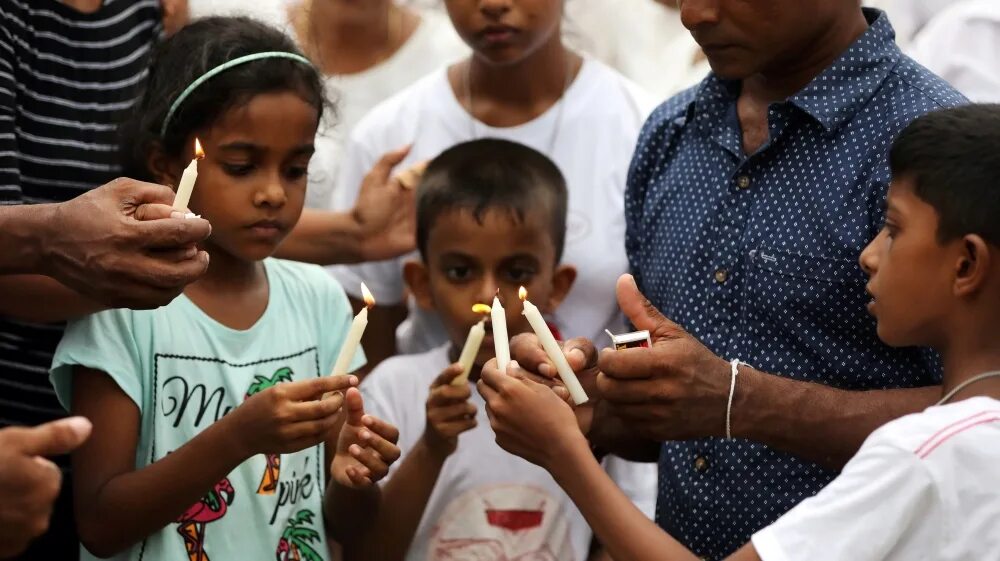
x,y
239,145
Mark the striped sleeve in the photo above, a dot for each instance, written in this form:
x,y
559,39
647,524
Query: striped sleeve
x,y
10,187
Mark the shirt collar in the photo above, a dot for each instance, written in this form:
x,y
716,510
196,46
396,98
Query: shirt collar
x,y
834,96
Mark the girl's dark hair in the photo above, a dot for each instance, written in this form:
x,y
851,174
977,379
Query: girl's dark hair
x,y
183,58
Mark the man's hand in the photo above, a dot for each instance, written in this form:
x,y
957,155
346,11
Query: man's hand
x,y
449,413
29,484
366,446
531,420
122,245
384,210
675,390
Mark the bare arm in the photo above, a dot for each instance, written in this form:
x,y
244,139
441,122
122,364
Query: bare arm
x,y
40,299
816,422
324,238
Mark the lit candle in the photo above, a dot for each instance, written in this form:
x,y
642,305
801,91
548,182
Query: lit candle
x,y
190,175
472,343
353,338
501,345
552,349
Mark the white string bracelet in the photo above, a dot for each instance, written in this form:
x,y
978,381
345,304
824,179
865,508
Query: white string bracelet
x,y
734,370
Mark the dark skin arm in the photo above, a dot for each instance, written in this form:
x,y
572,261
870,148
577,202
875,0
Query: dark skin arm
x,y
449,413
365,448
535,423
118,505
27,291
678,390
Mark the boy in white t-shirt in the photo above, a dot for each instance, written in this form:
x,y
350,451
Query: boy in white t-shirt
x,y
921,487
491,217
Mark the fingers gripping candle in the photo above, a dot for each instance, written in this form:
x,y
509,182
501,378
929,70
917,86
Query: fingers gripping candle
x,y
472,343
190,175
501,344
552,349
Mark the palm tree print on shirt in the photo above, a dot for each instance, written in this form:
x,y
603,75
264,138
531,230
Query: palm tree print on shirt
x,y
269,482
297,539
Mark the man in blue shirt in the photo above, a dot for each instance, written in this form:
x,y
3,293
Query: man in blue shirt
x,y
749,200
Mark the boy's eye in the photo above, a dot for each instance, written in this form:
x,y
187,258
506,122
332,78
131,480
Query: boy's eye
x,y
295,173
458,273
237,169
520,275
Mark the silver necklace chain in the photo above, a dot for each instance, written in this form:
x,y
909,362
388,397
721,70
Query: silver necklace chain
x,y
966,383
473,132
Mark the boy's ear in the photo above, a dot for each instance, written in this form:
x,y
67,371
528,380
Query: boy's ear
x,y
973,268
418,280
562,281
164,171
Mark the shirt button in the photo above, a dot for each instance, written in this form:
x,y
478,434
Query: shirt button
x,y
743,181
721,275
700,464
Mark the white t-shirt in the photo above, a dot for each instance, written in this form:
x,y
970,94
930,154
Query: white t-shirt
x,y
962,45
433,44
487,503
921,487
602,113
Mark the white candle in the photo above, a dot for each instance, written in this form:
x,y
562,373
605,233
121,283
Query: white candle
x,y
469,352
353,339
190,175
553,350
501,345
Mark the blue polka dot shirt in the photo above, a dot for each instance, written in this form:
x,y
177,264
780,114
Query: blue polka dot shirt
x,y
757,256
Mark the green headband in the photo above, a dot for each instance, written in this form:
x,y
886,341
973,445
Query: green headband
x,y
222,68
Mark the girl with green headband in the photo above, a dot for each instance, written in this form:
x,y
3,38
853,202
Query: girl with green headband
x,y
211,436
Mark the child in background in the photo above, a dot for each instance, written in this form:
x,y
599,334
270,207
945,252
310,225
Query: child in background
x,y
491,216
211,438
921,487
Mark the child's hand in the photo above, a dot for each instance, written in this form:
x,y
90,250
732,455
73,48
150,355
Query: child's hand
x,y
449,413
530,419
291,416
366,446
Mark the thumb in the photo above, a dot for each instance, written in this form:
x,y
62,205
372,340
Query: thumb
x,y
641,312
389,160
355,407
55,438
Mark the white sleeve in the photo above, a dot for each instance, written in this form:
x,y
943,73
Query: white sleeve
x,y
637,480
384,278
885,506
962,49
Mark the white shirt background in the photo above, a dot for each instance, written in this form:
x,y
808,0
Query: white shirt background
x,y
962,45
601,114
923,487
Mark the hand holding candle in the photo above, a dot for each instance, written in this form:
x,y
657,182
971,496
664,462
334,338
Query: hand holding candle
x,y
501,344
190,175
472,343
552,349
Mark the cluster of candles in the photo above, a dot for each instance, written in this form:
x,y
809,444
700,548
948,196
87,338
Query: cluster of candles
x,y
477,333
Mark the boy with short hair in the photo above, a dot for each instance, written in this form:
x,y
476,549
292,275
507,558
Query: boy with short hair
x,y
922,486
491,216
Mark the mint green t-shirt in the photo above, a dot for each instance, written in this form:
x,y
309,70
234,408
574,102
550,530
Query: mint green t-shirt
x,y
184,371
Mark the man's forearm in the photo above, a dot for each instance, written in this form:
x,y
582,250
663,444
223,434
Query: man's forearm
x,y
816,422
21,295
324,238
22,229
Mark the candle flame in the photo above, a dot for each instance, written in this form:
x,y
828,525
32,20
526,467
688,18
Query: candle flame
x,y
481,309
198,152
367,295
522,293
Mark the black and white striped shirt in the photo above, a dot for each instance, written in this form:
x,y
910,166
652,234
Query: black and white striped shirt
x,y
65,79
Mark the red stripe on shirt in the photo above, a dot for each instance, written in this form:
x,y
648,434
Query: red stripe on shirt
x,y
930,440
944,438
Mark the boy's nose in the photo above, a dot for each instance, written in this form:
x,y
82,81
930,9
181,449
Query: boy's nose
x,y
869,256
272,194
